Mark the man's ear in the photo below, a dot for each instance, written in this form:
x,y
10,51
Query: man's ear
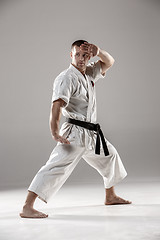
x,y
71,54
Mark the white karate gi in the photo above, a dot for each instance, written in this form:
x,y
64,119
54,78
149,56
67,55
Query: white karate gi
x,y
80,103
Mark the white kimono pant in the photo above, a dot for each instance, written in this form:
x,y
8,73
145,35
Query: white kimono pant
x,y
64,159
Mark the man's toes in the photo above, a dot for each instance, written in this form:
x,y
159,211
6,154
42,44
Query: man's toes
x,y
39,215
127,201
43,215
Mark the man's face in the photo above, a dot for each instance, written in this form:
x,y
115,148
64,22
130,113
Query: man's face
x,y
80,58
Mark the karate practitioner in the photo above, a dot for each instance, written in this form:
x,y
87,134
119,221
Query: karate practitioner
x,y
80,136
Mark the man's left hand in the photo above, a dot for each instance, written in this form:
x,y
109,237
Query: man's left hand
x,y
91,49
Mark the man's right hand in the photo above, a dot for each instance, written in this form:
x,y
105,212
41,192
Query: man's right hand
x,y
61,139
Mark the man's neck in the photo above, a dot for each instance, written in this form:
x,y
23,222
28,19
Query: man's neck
x,y
82,71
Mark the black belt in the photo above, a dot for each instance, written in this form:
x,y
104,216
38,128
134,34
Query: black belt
x,y
94,127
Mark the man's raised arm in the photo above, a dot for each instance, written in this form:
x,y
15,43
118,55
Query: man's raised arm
x,y
106,59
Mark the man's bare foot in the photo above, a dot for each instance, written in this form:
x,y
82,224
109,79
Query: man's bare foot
x,y
29,212
116,200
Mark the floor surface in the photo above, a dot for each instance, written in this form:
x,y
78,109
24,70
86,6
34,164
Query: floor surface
x,y
78,212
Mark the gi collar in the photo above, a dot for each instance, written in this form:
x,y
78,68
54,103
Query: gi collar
x,y
74,69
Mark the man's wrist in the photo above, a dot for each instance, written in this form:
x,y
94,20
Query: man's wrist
x,y
98,51
55,133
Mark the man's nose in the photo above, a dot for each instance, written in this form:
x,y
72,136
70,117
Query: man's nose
x,y
81,57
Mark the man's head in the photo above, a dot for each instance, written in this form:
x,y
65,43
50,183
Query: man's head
x,y
79,57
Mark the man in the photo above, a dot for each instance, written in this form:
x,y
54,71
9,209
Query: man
x,y
79,137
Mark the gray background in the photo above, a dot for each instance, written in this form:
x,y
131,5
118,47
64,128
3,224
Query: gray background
x,y
34,48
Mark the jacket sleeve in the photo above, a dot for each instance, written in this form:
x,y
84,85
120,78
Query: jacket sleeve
x,y
62,88
94,70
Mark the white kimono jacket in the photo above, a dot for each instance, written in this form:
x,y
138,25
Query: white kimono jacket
x,y
79,95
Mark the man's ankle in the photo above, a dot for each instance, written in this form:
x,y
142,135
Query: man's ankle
x,y
110,195
27,205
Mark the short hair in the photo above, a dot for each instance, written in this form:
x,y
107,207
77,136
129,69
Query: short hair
x,y
78,43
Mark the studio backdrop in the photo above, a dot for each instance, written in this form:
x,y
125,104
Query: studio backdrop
x,y
36,36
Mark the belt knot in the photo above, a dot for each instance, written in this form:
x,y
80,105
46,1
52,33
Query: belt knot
x,y
93,127
98,127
